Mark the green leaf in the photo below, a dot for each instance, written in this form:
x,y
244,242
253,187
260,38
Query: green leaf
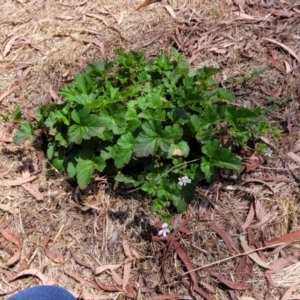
x,y
236,115
84,172
180,149
58,164
85,169
221,157
71,169
17,113
169,191
150,187
208,169
163,62
123,150
158,205
174,133
226,94
24,133
99,163
207,72
89,125
150,139
211,115
129,180
175,53
84,99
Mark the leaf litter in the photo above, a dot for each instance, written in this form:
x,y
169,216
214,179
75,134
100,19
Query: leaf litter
x,y
201,44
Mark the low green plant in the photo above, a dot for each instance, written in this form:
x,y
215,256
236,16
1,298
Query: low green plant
x,y
156,125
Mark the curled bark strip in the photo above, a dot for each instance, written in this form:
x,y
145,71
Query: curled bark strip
x,y
227,239
82,281
187,262
33,272
241,286
286,238
250,217
198,290
259,181
11,237
81,263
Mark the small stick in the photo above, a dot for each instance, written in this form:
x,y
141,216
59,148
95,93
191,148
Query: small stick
x,y
226,259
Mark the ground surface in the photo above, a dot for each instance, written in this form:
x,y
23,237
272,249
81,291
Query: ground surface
x,y
65,237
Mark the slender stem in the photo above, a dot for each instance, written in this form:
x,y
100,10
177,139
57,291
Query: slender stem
x,y
159,177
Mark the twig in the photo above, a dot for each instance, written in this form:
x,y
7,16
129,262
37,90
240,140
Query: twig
x,y
226,259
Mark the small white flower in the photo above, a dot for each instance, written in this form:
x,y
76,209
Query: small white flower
x,y
164,230
183,180
268,152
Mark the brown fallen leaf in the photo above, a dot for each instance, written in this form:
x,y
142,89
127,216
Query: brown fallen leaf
x,y
53,257
127,264
24,262
55,96
230,244
72,5
49,253
108,287
9,277
258,181
98,17
117,278
166,297
286,238
81,263
23,73
294,157
288,68
244,269
284,262
10,43
101,269
33,191
296,148
207,286
6,140
289,292
18,181
277,65
222,6
154,38
171,11
3,293
265,219
84,296
33,272
187,262
17,241
147,2
291,51
197,289
240,286
254,256
8,92
82,281
119,18
95,42
250,216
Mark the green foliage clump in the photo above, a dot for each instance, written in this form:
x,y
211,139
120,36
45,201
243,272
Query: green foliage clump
x,y
148,122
